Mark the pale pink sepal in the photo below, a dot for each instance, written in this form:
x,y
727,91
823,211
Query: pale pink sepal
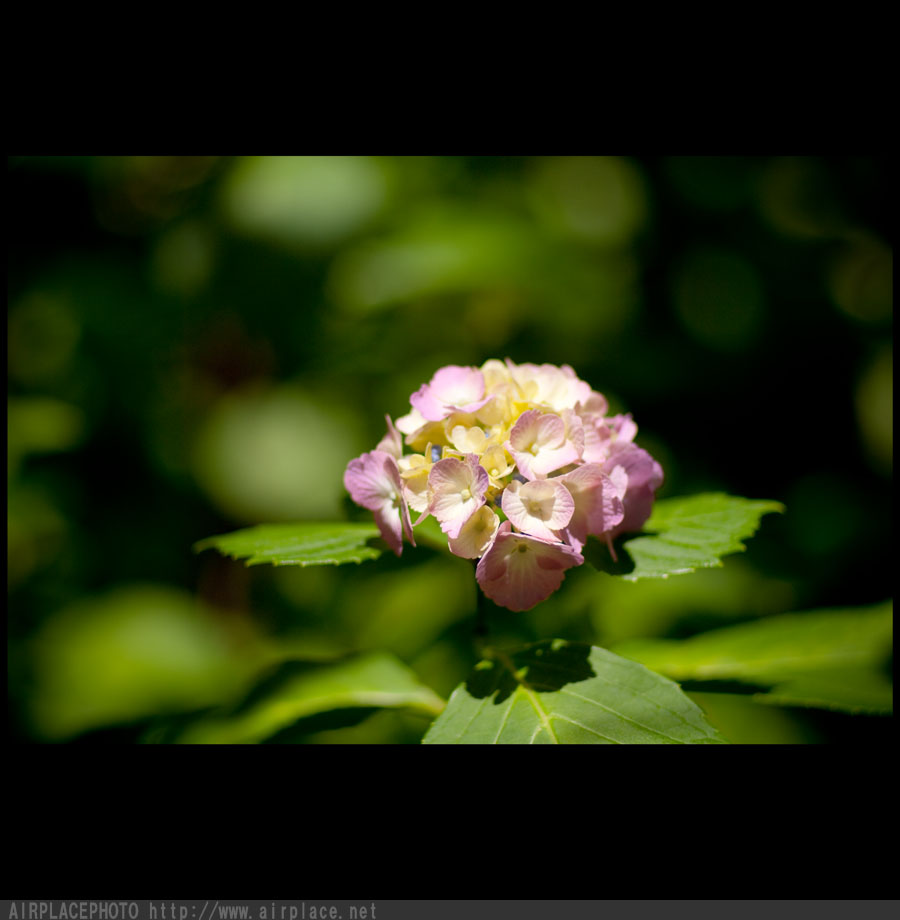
x,y
540,508
538,444
602,434
519,571
392,442
632,464
598,505
597,440
457,489
623,427
557,388
373,481
476,535
594,406
451,389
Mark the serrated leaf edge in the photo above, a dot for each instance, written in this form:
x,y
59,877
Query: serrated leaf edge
x,y
760,506
502,656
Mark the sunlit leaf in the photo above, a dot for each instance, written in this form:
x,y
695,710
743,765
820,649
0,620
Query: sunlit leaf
x,y
558,692
833,659
133,652
685,534
849,690
305,696
743,719
308,543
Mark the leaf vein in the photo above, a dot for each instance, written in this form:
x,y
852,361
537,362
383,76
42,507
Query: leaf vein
x,y
512,701
591,730
621,715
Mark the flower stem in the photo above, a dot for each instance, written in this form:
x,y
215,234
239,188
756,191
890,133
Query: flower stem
x,y
481,628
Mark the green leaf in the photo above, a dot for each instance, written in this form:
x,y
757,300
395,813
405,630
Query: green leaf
x,y
744,720
558,692
307,696
685,534
832,659
297,544
860,690
130,653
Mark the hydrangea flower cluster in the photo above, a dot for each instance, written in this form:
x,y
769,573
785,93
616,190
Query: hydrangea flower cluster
x,y
519,464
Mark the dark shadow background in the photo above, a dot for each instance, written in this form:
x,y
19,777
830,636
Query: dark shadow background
x,y
200,343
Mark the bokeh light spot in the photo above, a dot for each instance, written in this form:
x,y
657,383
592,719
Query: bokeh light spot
x,y
719,298
600,199
798,199
43,337
875,410
275,455
182,261
441,251
861,279
306,201
40,425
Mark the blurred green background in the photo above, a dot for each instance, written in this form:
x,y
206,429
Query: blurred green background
x,y
201,343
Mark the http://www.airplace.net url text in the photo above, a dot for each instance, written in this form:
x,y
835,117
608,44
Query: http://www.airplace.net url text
x,y
189,910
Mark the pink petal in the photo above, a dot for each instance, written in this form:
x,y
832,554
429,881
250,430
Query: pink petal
x,y
476,535
392,442
642,469
574,430
371,478
638,506
373,481
520,571
427,405
554,507
451,389
557,388
597,440
457,385
602,434
598,508
594,405
538,444
579,391
448,483
623,427
644,477
406,522
388,521
552,460
535,428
